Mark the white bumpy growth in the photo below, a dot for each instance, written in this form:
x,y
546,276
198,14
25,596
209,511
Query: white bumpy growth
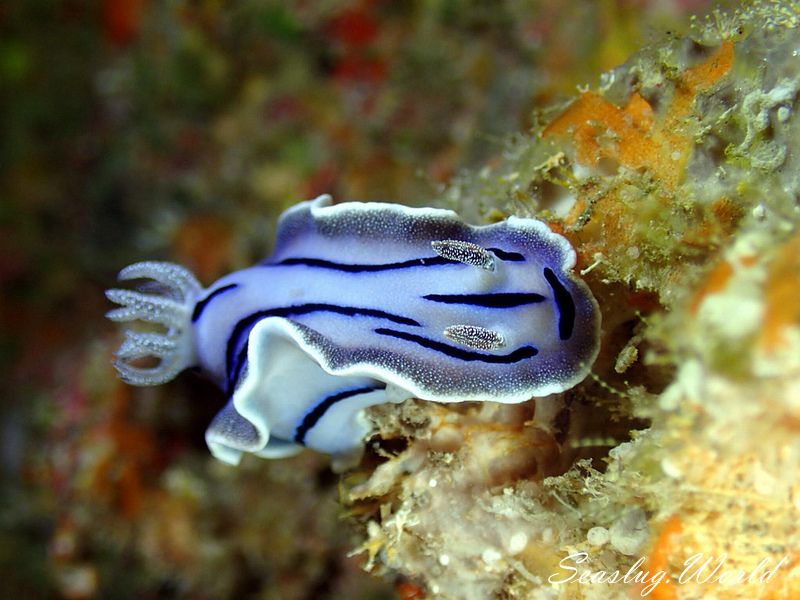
x,y
171,306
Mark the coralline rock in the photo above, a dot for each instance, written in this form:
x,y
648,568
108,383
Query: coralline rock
x,y
677,179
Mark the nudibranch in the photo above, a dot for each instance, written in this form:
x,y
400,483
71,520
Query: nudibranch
x,y
362,304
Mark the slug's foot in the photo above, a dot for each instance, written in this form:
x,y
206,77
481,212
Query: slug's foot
x,y
171,307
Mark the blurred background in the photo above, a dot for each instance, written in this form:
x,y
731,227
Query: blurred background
x,y
136,130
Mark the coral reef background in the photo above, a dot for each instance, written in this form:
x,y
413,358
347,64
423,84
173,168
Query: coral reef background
x,y
179,131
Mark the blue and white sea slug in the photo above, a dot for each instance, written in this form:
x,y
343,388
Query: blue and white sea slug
x,y
362,304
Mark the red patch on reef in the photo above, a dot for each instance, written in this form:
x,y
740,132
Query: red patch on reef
x,y
353,33
354,27
407,590
122,20
358,67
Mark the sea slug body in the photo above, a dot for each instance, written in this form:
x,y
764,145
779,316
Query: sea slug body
x,y
362,304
